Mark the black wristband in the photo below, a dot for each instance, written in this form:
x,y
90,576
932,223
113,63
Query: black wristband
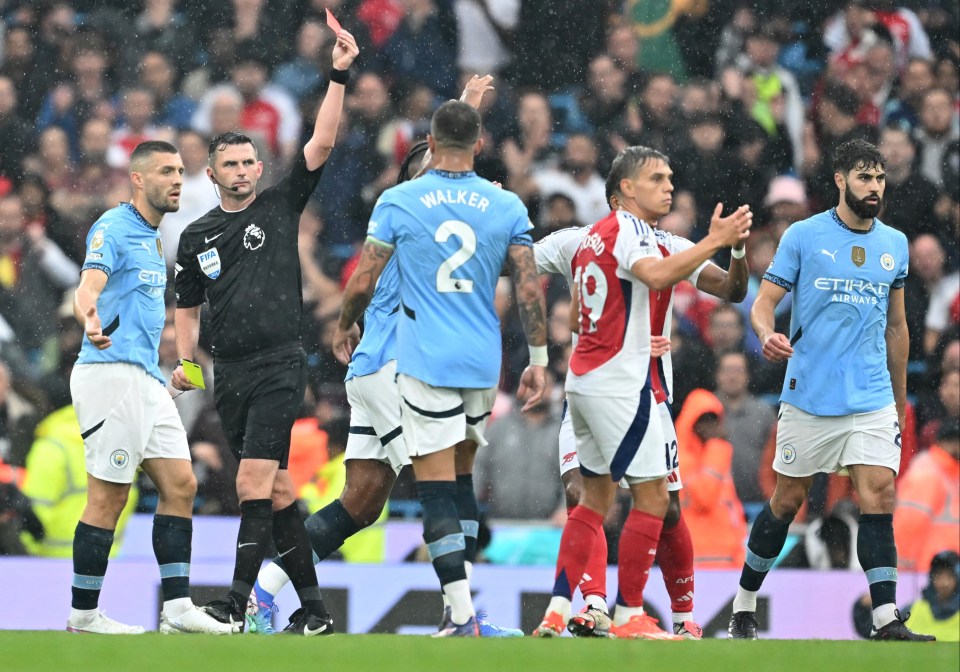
x,y
339,76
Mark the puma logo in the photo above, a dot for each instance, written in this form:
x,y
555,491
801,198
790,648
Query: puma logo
x,y
832,255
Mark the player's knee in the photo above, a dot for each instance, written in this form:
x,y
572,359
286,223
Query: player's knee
x,y
786,502
107,505
880,497
365,512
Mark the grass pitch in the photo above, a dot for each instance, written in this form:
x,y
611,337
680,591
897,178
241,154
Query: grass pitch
x,y
63,652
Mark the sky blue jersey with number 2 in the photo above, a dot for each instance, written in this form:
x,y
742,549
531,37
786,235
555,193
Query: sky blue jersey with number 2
x,y
450,233
841,281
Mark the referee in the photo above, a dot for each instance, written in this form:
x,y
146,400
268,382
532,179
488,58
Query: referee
x,y
242,258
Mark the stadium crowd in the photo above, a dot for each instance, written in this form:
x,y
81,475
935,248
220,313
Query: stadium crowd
x,y
748,98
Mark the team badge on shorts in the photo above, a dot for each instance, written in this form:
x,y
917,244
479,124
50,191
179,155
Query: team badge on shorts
x,y
886,261
119,459
788,454
210,263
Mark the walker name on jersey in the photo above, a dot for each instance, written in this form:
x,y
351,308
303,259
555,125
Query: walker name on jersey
x,y
458,197
851,290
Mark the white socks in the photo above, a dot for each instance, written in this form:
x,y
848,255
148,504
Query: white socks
x,y
173,608
461,602
272,578
596,602
884,614
623,614
561,605
746,600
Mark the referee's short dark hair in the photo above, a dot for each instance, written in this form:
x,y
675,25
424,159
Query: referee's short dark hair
x,y
627,163
149,148
224,140
455,125
858,153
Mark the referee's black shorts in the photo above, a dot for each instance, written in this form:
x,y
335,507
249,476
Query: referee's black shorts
x,y
258,399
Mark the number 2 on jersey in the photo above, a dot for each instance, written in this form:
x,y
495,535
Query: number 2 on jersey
x,y
468,246
593,295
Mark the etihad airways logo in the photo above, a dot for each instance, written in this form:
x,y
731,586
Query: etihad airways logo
x,y
851,290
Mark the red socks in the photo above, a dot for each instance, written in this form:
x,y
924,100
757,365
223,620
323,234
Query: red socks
x,y
594,581
577,547
638,547
675,557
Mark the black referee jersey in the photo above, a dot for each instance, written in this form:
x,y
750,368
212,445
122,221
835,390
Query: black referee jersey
x,y
247,266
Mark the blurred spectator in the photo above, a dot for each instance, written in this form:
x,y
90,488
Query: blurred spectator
x,y
604,99
33,274
138,109
302,75
659,126
748,421
159,75
558,212
517,476
531,148
18,418
56,483
220,56
948,394
926,279
424,46
161,29
709,498
15,133
909,197
937,131
16,513
927,517
577,177
785,203
24,71
903,111
944,310
850,33
198,194
937,610
622,47
490,25
774,85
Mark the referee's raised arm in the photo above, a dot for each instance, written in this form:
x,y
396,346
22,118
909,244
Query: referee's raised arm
x,y
324,136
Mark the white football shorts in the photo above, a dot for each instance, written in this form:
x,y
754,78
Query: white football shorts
x,y
375,431
436,418
620,436
568,445
126,416
812,444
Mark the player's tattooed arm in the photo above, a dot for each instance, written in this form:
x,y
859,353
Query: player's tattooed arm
x,y
529,294
359,289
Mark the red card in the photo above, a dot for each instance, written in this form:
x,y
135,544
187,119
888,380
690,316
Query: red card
x,y
333,23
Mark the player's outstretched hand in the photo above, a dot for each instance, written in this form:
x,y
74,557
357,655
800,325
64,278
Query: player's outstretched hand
x,y
179,380
344,343
659,346
777,348
345,50
94,331
732,229
475,88
532,384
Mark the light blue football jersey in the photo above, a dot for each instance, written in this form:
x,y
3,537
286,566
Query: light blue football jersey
x,y
450,232
378,345
131,308
841,281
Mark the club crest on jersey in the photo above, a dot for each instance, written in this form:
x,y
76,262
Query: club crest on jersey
x,y
886,261
253,237
858,256
210,263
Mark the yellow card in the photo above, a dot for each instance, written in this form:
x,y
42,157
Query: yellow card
x,y
194,373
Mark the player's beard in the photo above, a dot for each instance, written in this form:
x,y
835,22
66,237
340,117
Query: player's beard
x,y
860,207
161,202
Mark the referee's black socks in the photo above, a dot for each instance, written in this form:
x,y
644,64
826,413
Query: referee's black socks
x,y
293,546
256,527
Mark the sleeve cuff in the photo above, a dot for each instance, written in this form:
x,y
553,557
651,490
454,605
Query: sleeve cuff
x,y
381,243
99,267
